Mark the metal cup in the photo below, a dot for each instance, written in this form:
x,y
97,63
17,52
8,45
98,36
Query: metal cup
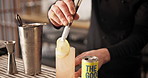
x,y
12,69
31,47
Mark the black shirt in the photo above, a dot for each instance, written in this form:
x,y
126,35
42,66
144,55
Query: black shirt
x,y
122,27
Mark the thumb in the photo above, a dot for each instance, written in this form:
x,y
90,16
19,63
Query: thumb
x,y
79,59
76,17
78,73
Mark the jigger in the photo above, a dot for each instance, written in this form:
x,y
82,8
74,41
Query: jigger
x,y
10,45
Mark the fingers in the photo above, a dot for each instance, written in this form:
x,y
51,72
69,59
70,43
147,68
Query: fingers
x,y
71,6
79,59
54,20
63,7
78,73
76,17
56,24
60,15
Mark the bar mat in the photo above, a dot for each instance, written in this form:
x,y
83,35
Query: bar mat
x,y
2,44
46,72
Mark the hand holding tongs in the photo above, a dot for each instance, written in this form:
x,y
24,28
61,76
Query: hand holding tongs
x,y
67,28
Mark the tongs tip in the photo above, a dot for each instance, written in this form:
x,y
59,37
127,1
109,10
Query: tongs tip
x,y
19,20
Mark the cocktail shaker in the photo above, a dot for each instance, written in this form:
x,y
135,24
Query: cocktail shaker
x,y
31,47
10,45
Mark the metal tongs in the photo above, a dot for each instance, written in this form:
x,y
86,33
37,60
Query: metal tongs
x,y
19,20
67,28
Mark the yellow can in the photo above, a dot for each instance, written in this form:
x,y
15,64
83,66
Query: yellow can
x,y
89,67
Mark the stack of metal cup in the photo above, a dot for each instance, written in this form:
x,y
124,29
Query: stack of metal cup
x,y
31,47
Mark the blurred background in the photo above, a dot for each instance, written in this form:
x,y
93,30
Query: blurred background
x,y
36,11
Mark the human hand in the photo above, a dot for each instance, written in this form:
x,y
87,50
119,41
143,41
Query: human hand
x,y
61,13
102,54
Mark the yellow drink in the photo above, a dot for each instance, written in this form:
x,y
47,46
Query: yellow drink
x,y
89,67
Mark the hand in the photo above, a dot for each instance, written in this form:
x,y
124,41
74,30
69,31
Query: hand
x,y
61,13
102,54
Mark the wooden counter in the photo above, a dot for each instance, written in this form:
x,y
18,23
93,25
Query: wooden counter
x,y
42,17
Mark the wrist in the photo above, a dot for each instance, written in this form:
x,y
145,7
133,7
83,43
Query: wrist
x,y
105,55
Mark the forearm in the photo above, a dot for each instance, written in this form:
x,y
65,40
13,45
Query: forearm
x,y
133,44
129,47
104,55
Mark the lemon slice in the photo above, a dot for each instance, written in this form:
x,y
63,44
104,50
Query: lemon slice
x,y
62,48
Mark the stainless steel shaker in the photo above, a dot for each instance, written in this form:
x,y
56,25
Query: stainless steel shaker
x,y
12,69
31,47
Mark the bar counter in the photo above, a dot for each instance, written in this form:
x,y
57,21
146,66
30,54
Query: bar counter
x,y
46,72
